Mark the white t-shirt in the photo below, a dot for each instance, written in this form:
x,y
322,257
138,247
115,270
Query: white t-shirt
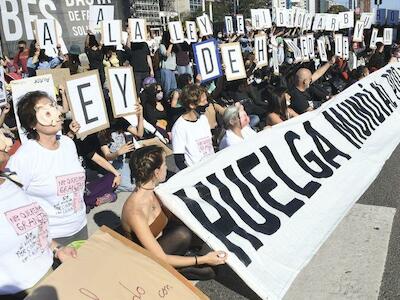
x,y
25,255
56,180
193,139
230,138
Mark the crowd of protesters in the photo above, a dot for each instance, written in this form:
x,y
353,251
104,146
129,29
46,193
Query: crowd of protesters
x,y
48,184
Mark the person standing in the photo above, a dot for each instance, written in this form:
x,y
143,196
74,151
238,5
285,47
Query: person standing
x,y
168,64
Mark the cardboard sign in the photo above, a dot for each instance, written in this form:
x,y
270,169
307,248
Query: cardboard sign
x,y
191,32
367,19
123,271
292,45
380,17
20,87
322,49
176,32
3,91
311,45
346,19
138,30
59,75
122,91
85,97
282,17
374,38
229,25
233,61
331,22
46,36
387,36
111,33
358,34
205,26
99,13
256,19
304,48
319,22
240,24
307,23
339,45
346,48
207,60
392,17
261,50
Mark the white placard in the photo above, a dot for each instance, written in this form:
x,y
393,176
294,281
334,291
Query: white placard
x,y
291,16
240,24
138,30
295,49
232,58
346,48
122,91
346,19
322,49
99,13
311,45
20,87
339,45
304,48
268,206
307,23
332,22
85,97
392,17
387,36
204,25
191,32
207,60
256,19
3,91
46,35
124,40
367,19
261,50
111,33
176,32
319,22
229,25
265,15
374,38
298,18
358,34
281,17
275,62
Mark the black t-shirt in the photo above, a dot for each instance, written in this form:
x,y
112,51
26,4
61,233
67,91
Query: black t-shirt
x,y
300,100
137,56
87,149
95,58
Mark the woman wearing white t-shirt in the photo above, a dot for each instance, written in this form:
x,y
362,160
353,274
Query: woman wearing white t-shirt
x,y
236,123
191,133
49,169
26,251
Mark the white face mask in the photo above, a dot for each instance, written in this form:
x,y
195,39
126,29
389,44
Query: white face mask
x,y
288,102
258,80
219,36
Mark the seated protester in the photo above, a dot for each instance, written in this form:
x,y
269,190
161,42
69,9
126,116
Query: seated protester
x,y
111,59
23,265
279,110
302,101
146,221
114,147
94,53
72,61
39,60
49,168
210,109
236,123
395,55
153,109
191,133
175,107
377,60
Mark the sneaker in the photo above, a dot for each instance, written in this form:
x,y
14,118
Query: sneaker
x,y
106,198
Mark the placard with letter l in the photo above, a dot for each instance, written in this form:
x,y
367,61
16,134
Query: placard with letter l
x,y
233,60
86,100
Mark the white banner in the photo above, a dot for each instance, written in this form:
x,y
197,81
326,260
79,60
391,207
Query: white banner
x,y
272,201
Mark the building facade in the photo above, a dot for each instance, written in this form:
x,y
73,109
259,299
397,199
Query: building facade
x,y
147,9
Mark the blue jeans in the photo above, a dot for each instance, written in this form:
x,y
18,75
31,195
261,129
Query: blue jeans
x,y
184,70
123,168
168,81
254,120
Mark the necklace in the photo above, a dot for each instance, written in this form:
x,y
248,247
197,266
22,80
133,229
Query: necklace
x,y
151,189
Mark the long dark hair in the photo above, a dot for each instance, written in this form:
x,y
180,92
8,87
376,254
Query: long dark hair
x,y
277,102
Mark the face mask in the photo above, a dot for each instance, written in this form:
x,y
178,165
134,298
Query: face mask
x,y
48,115
5,142
21,48
201,109
258,80
159,96
219,36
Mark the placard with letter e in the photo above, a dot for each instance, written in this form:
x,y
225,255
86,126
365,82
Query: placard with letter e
x,y
191,32
86,100
176,32
122,91
207,60
233,60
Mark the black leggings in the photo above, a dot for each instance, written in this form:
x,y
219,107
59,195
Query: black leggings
x,y
177,239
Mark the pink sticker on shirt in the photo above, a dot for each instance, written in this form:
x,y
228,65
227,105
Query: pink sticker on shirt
x,y
27,218
205,146
69,184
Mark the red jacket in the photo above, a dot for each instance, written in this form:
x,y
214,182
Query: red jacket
x,y
21,59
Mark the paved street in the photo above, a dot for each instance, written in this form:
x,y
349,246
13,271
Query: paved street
x,y
360,260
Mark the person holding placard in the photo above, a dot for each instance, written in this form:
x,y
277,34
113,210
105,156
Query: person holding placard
x,y
27,255
146,221
377,59
183,59
168,64
38,60
49,169
72,61
94,53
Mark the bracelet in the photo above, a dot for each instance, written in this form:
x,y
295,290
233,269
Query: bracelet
x,y
195,257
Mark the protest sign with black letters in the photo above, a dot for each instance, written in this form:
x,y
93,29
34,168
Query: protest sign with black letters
x,y
46,36
346,19
111,33
176,32
229,25
207,60
98,14
358,33
388,36
233,61
3,92
191,32
204,24
138,30
367,19
261,49
239,24
392,17
273,200
86,100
